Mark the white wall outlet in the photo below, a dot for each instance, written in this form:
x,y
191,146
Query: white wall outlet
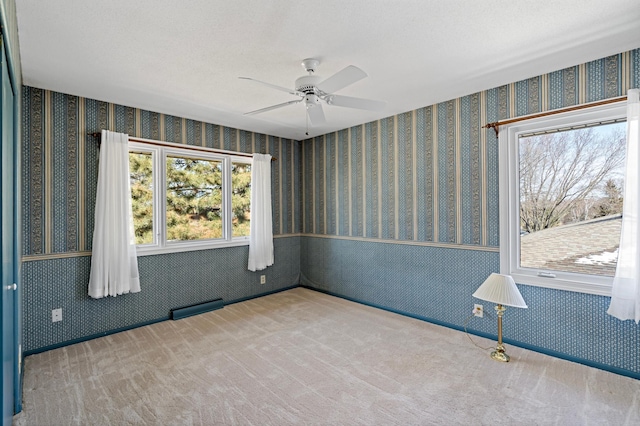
x,y
263,279
478,310
56,315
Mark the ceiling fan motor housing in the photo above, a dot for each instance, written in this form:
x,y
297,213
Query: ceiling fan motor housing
x,y
307,84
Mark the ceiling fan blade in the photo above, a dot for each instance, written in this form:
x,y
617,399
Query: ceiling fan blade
x,y
342,79
316,115
273,86
269,108
349,102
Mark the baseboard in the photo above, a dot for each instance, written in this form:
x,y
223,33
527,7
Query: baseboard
x,y
91,337
561,355
131,327
555,354
267,293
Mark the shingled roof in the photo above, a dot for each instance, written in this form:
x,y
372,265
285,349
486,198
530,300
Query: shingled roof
x,y
589,247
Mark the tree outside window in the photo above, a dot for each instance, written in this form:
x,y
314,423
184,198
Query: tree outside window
x,y
206,199
571,199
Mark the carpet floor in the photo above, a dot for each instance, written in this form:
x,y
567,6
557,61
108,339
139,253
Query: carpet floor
x,y
303,357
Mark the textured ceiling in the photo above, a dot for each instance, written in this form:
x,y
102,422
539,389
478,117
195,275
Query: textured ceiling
x,y
184,57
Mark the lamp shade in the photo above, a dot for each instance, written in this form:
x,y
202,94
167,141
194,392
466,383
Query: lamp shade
x,y
500,289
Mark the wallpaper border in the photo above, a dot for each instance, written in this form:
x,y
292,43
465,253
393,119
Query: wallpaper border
x,y
66,255
405,242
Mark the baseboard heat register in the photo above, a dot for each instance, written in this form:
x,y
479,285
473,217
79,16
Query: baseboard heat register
x,y
200,308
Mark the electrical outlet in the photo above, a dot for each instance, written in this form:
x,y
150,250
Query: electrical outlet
x,y
478,310
263,279
56,315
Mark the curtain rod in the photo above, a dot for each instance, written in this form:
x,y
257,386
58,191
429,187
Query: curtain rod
x,y
496,125
98,135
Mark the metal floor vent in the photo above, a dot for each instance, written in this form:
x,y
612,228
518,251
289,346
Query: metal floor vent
x,y
200,308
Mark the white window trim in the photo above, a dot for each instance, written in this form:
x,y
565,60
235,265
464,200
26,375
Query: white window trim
x,y
509,196
160,245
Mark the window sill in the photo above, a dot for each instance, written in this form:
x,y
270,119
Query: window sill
x,y
600,286
184,247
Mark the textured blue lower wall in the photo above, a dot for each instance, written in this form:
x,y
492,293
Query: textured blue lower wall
x,y
436,283
168,281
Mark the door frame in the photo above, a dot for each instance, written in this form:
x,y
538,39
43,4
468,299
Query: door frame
x,y
8,22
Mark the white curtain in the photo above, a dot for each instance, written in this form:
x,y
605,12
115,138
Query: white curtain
x,y
114,265
625,294
261,237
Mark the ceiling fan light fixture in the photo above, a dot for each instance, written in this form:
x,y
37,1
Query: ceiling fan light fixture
x,y
311,100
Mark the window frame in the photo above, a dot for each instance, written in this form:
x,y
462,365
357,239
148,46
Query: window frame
x,y
509,189
160,244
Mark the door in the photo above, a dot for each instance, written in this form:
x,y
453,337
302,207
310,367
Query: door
x,y
7,250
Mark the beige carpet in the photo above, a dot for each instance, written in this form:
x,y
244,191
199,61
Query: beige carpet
x,y
302,357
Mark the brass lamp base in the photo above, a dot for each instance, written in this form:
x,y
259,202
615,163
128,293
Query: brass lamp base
x,y
499,354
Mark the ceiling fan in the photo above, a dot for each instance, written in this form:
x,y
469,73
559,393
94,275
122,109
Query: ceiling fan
x,y
313,90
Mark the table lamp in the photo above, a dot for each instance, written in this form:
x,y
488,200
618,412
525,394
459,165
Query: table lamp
x,y
501,290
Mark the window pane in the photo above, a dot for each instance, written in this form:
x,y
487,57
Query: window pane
x,y
194,199
241,198
571,199
141,177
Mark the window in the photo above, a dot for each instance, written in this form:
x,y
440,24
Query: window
x,y
188,200
561,180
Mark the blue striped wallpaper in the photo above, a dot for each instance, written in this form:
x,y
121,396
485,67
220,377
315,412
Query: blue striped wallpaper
x,y
60,164
430,175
